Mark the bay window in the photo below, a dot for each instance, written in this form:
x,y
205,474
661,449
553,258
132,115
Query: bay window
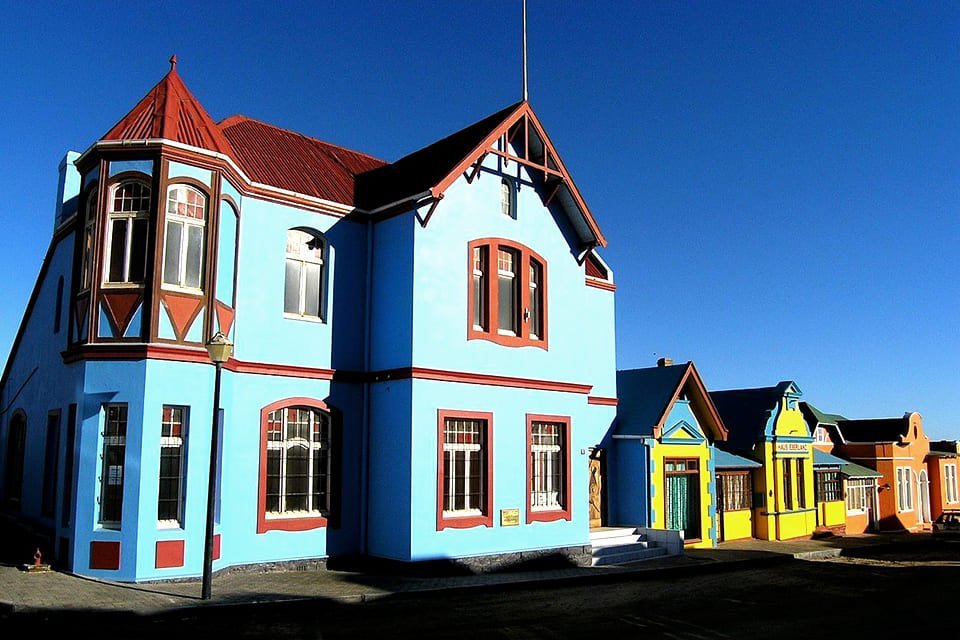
x,y
184,237
127,231
507,302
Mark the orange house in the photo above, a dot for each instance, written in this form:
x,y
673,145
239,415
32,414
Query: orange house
x,y
897,448
942,463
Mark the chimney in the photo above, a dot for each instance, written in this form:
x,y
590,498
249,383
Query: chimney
x,y
665,362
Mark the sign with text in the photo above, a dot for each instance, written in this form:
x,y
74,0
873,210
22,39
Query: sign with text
x,y
793,447
509,517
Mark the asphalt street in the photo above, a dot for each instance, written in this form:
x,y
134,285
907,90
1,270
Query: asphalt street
x,y
879,593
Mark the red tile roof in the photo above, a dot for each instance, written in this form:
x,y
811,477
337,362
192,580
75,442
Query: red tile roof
x,y
292,161
170,111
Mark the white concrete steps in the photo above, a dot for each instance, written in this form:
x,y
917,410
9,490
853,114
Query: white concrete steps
x,y
619,545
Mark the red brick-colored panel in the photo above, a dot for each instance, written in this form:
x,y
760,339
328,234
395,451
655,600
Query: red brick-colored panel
x,y
216,547
169,554
105,555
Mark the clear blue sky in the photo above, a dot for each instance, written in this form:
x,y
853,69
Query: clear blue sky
x,y
779,181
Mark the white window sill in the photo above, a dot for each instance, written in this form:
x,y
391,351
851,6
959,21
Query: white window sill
x,y
293,515
178,289
469,513
168,525
121,285
313,319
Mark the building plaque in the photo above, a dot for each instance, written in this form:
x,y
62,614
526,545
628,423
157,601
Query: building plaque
x,y
509,517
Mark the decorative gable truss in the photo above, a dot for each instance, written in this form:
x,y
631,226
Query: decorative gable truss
x,y
515,135
682,433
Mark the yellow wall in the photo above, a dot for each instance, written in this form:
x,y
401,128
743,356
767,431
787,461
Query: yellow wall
x,y
737,524
773,521
833,514
700,451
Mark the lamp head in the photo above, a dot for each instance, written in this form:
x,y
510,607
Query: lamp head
x,y
219,348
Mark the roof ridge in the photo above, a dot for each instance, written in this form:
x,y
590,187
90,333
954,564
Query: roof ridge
x,y
239,118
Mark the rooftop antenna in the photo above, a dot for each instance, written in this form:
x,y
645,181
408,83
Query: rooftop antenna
x,y
524,50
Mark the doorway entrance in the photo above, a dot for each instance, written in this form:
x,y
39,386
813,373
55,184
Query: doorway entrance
x,y
682,499
596,472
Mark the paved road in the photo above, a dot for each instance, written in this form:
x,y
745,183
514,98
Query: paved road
x,y
881,595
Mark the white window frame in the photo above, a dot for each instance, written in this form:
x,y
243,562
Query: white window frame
x,y
904,489
857,495
304,258
186,223
454,450
311,445
130,217
950,480
544,458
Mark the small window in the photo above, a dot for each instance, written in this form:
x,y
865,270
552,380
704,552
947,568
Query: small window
x,y
184,239
173,437
508,198
464,475
112,460
48,502
857,492
86,248
58,308
801,485
737,490
304,281
16,442
950,480
127,242
827,486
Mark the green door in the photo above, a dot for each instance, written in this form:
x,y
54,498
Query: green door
x,y
683,504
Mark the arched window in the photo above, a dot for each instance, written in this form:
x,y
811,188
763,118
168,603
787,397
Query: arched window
x,y
127,244
508,198
89,225
296,472
16,441
304,280
183,243
508,294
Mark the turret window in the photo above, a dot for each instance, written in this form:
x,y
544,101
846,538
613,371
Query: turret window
x,y
183,245
127,243
89,224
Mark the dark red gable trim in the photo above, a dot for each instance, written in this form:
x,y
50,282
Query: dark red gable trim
x,y
466,522
609,402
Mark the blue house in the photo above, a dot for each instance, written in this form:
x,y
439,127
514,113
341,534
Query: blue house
x,y
423,350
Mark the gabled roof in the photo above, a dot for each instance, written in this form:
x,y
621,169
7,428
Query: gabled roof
x,y
171,112
824,459
645,397
746,412
814,416
429,171
295,162
874,429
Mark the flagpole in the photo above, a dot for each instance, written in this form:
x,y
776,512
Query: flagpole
x,y
524,50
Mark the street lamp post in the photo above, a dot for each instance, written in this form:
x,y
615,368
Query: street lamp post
x,y
220,349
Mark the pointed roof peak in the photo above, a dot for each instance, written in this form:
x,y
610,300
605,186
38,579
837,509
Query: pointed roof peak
x,y
171,112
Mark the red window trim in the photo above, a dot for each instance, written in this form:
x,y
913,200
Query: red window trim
x,y
556,514
465,522
491,333
265,524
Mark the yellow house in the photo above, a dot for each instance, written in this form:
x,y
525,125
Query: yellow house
x,y
662,469
766,425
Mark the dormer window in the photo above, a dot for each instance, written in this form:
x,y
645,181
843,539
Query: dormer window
x,y
508,198
183,243
127,241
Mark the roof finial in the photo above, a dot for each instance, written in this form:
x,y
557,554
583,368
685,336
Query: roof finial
x,y
173,62
524,50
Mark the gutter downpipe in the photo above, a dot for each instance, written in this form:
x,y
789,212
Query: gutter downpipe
x,y
365,431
